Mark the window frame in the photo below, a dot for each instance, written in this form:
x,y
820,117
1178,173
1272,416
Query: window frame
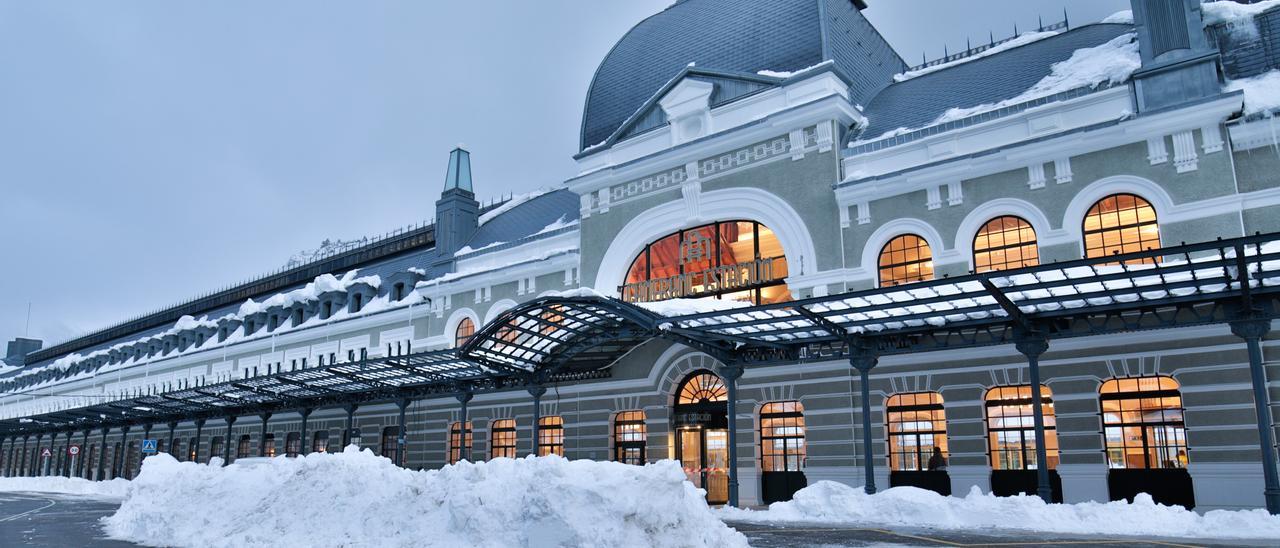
x,y
922,244
756,290
1179,426
1139,203
467,432
794,428
1026,452
1021,245
550,436
628,424
499,431
936,434
459,338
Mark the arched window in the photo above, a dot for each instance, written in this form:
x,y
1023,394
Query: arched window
x,y
1011,430
905,259
502,439
390,442
917,424
215,448
269,445
628,437
1143,423
458,438
160,446
320,441
1121,223
782,447
702,388
466,328
243,448
1005,243
193,449
292,444
739,260
550,436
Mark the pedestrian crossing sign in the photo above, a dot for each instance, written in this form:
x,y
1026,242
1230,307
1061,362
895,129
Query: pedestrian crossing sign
x,y
148,446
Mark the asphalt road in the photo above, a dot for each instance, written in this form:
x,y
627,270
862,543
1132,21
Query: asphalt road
x,y
32,519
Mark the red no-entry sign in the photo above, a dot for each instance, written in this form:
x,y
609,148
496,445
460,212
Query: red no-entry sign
x,y
73,450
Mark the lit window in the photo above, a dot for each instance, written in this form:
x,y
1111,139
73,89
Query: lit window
x,y
1011,430
1005,243
629,437
215,448
1121,223
702,388
457,440
320,441
502,439
1143,422
917,425
466,328
269,444
243,447
738,260
550,436
905,259
292,444
390,442
782,447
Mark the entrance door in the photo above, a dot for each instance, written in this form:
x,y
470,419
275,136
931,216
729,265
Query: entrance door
x,y
704,454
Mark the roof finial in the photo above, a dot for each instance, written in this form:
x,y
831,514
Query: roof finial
x,y
1040,20
1066,21
991,35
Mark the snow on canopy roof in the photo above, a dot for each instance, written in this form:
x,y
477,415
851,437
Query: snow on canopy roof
x,y
920,101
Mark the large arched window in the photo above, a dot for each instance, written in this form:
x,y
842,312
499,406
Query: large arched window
x,y
1143,422
628,437
1121,223
466,328
1011,430
703,388
905,259
459,437
550,436
1005,243
215,448
739,260
502,439
292,444
917,425
320,441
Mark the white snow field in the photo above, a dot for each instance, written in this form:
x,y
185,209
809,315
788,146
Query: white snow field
x,y
114,489
830,502
358,499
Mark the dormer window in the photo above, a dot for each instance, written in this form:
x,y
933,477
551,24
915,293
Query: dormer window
x,y
397,292
297,317
326,310
357,301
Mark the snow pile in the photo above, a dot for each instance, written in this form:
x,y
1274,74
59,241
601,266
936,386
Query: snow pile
x,y
1239,17
1124,17
511,204
1021,40
790,73
828,502
114,489
684,307
357,499
1109,63
1261,92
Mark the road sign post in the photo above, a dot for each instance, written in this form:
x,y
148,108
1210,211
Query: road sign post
x,y
148,447
44,456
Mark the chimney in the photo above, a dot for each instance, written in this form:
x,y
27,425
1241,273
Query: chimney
x,y
18,350
457,211
1178,64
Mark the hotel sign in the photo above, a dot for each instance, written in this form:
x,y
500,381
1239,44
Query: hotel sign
x,y
698,250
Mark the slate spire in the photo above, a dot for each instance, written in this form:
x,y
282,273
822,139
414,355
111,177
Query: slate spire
x,y
457,211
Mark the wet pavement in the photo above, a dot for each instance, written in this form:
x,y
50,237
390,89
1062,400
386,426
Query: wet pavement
x,y
34,519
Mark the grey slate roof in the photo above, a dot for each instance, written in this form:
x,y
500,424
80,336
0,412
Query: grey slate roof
x,y
741,36
921,100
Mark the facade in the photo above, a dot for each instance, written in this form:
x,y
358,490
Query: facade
x,y
782,153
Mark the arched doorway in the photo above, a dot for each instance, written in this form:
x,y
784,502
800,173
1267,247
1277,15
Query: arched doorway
x,y
701,423
738,260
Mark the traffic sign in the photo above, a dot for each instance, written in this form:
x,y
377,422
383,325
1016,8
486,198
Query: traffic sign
x,y
148,446
73,450
46,452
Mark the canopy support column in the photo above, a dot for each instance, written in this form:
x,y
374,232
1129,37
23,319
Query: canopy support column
x,y
173,427
536,391
464,449
102,455
401,432
82,464
146,435
195,447
1252,332
37,468
226,445
864,363
351,417
117,464
1033,347
262,435
302,436
731,374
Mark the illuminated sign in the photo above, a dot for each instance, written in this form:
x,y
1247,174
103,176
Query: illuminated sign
x,y
711,281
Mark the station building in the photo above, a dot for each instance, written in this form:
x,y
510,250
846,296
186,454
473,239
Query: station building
x,y
779,155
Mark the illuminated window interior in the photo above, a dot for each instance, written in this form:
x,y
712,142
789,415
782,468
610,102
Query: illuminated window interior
x,y
1005,243
917,424
243,447
269,444
739,260
629,437
1121,223
457,440
703,388
466,328
320,441
1011,428
502,439
550,436
782,447
390,437
905,259
1142,419
292,444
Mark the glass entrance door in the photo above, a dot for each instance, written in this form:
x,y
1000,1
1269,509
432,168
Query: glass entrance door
x,y
704,455
691,455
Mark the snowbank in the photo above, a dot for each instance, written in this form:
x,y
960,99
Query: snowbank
x,y
1239,16
684,307
829,502
114,489
358,499
1123,17
1261,92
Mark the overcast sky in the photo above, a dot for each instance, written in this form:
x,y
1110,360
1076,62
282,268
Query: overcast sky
x,y
151,150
